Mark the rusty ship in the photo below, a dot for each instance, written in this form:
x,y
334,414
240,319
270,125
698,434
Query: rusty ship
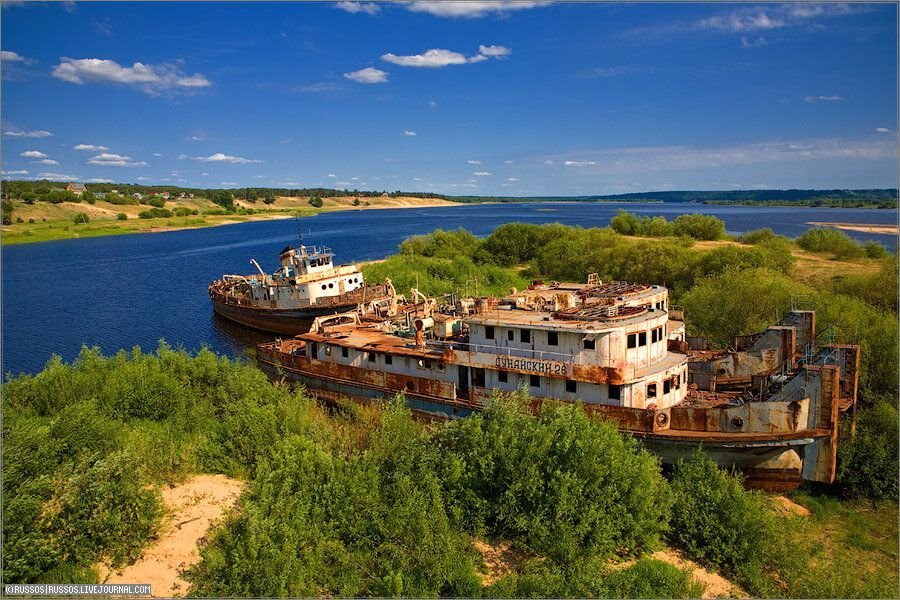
x,y
305,286
768,406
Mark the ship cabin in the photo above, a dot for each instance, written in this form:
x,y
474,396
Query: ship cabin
x,y
601,344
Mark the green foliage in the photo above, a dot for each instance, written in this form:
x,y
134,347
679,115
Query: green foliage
x,y
184,211
651,578
835,242
121,200
122,217
696,226
88,196
60,196
715,519
569,487
879,290
438,276
868,463
269,198
441,244
155,201
81,218
316,202
155,213
764,234
512,244
368,524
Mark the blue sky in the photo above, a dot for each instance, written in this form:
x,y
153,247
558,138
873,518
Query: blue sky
x,y
473,98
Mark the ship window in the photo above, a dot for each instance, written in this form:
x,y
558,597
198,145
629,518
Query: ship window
x,y
502,376
632,340
571,386
590,344
667,386
552,338
651,390
510,335
331,285
324,287
652,336
371,356
534,381
615,392
327,350
525,335
345,353
478,377
642,338
489,332
388,359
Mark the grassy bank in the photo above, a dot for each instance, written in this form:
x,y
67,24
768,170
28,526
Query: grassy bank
x,y
41,221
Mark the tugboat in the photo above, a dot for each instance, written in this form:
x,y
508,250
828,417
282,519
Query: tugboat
x,y
768,407
307,285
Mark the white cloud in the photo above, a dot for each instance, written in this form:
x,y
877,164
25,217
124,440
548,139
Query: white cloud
x,y
579,163
494,51
417,179
743,19
181,157
9,56
512,179
93,148
33,154
98,180
548,162
474,162
228,183
152,79
317,88
748,43
332,175
197,138
225,158
47,161
154,154
19,172
481,174
367,75
353,7
106,159
882,130
471,8
27,134
606,72
409,133
143,178
432,103
57,177
507,162
433,58
204,174
815,99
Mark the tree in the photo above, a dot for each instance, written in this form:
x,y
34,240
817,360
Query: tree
x,y
81,218
316,202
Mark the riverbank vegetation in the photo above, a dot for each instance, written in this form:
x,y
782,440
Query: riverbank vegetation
x,y
355,501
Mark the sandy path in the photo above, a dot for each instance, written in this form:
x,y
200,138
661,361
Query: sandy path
x,y
191,509
716,585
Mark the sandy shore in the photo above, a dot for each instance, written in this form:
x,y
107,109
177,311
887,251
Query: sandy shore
x,y
861,227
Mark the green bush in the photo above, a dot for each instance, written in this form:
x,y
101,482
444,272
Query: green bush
x,y
764,234
651,578
699,227
438,276
316,202
832,241
122,217
715,519
81,218
121,200
868,463
183,211
567,486
156,201
441,244
155,213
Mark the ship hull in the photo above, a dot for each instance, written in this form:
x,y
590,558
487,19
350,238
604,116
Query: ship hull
x,y
287,322
772,463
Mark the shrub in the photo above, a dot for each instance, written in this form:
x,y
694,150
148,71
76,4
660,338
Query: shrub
x,y
81,218
88,196
316,202
122,217
567,486
715,519
832,241
183,211
699,227
155,213
269,199
156,201
651,578
31,220
20,220
121,200
755,236
868,463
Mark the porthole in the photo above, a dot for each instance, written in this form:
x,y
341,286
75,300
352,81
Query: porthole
x,y
662,419
324,287
330,285
737,422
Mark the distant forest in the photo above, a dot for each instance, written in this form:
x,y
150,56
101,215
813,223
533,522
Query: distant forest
x,y
871,198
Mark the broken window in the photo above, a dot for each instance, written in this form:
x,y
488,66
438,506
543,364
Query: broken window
x,y
571,386
552,338
632,340
651,390
489,332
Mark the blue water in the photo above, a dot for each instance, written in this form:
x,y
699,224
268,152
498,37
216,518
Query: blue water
x,y
117,292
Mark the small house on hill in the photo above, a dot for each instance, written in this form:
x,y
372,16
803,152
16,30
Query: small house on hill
x,y
77,188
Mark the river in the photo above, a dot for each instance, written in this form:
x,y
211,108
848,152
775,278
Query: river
x,y
121,291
